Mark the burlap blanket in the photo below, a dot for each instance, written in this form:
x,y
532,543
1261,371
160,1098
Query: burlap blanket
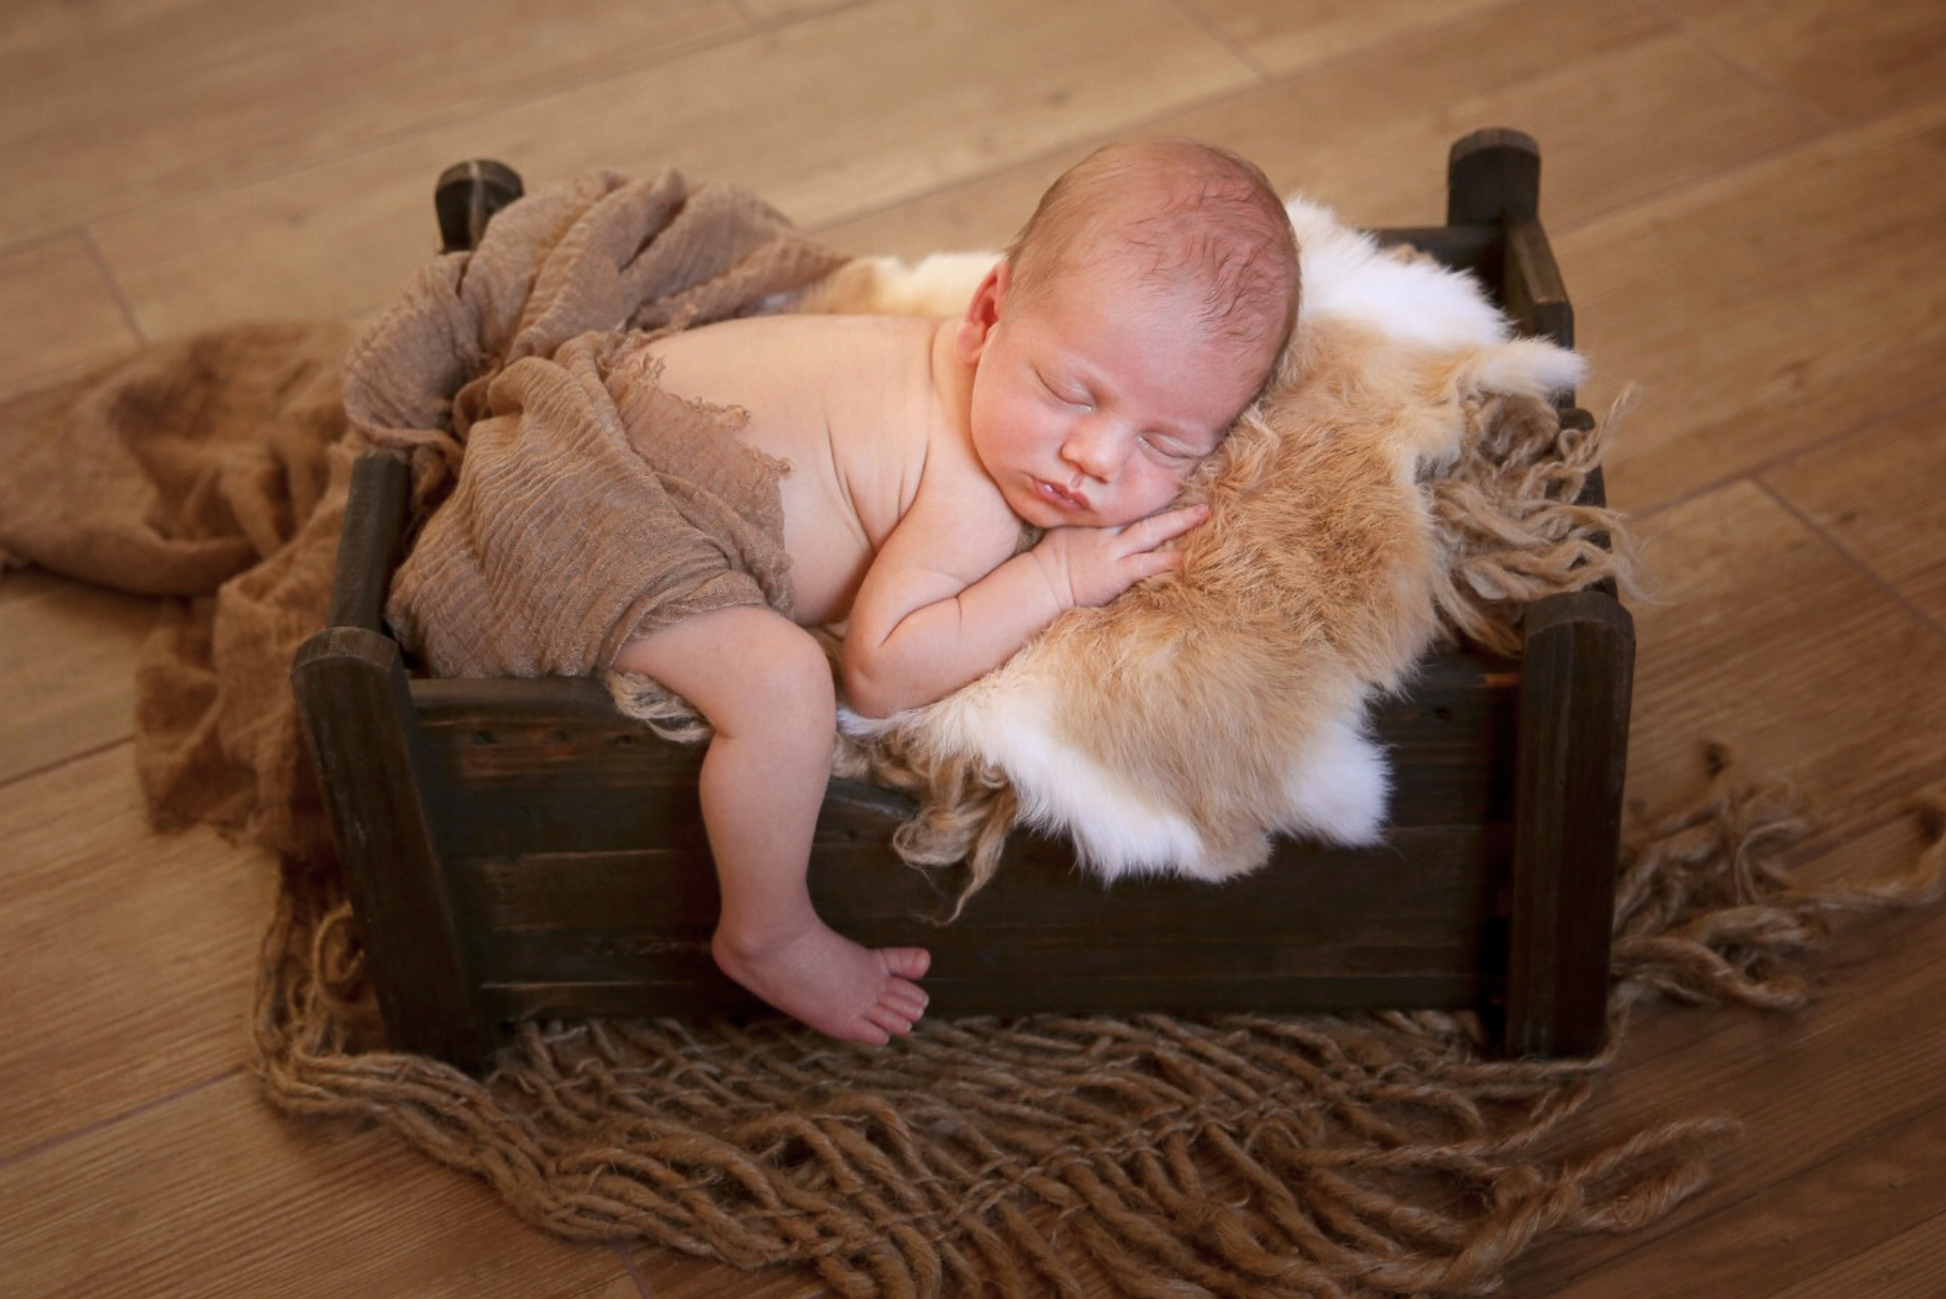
x,y
1233,1156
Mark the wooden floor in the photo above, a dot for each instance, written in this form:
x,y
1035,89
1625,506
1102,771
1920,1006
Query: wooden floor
x,y
1746,196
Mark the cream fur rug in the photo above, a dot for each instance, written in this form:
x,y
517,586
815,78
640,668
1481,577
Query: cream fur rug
x,y
1177,728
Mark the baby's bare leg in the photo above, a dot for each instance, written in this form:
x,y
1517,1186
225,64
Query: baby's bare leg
x,y
763,683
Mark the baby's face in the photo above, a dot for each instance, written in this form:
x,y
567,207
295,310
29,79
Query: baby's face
x,y
1091,403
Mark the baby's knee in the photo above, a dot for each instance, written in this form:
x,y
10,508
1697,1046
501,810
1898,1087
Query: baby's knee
x,y
789,687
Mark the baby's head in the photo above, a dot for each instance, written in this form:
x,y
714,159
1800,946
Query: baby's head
x,y
1145,304
1186,227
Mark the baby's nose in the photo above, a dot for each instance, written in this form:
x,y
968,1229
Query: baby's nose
x,y
1095,448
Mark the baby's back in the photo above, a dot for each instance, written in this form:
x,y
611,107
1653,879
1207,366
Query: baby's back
x,y
846,402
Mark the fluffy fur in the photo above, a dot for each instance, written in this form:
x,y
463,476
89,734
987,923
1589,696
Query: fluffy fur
x,y
1175,729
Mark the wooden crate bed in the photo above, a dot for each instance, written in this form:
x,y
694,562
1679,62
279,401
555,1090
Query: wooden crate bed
x,y
517,849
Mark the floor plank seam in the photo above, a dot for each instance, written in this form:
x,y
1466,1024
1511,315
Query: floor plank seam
x,y
1138,126
384,139
763,26
1658,1235
1784,97
115,1120
1936,397
627,1256
113,284
21,777
1878,579
1676,188
1209,27
1853,836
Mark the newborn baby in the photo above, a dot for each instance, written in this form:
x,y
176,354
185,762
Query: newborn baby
x,y
1143,307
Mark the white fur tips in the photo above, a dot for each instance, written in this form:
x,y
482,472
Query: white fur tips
x,y
1529,365
1339,788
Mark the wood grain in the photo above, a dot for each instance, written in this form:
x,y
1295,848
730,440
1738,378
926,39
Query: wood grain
x,y
1810,1228
907,97
1767,309
62,315
130,957
1737,576
1877,495
1287,35
69,675
1808,1089
1845,60
215,1193
122,108
1394,110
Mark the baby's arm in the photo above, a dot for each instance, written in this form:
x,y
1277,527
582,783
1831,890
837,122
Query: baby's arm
x,y
936,612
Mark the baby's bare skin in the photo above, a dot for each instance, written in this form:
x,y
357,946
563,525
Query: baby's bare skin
x,y
852,404
903,513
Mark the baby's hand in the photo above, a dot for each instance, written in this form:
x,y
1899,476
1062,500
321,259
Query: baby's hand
x,y
1091,566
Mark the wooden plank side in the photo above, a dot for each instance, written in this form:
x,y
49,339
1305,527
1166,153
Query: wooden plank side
x,y
707,995
535,767
1425,875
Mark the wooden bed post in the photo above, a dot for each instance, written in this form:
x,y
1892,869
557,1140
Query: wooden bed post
x,y
1493,177
1577,674
466,197
353,695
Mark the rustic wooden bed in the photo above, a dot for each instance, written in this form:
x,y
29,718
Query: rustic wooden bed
x,y
517,849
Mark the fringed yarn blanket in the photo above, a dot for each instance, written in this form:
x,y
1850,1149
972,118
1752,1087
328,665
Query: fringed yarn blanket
x,y
1222,1157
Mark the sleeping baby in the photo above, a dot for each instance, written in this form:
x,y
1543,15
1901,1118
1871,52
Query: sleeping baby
x,y
1143,307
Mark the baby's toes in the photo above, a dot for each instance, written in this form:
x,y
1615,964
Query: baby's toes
x,y
907,999
889,1021
906,962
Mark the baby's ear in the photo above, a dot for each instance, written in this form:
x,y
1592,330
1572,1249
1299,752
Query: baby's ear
x,y
983,311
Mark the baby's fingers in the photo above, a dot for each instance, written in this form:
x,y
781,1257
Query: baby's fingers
x,y
1150,563
1147,534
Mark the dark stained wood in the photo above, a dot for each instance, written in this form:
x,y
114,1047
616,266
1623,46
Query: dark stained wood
x,y
1578,674
1019,991
518,848
1532,290
466,197
351,692
1493,176
369,541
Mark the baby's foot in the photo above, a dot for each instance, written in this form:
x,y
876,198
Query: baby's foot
x,y
831,983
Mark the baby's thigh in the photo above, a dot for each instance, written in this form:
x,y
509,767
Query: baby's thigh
x,y
747,668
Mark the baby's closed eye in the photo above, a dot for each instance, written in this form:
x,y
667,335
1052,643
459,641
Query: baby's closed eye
x,y
1169,449
1067,394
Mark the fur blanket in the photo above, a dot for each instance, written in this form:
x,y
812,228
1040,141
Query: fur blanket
x,y
1179,727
